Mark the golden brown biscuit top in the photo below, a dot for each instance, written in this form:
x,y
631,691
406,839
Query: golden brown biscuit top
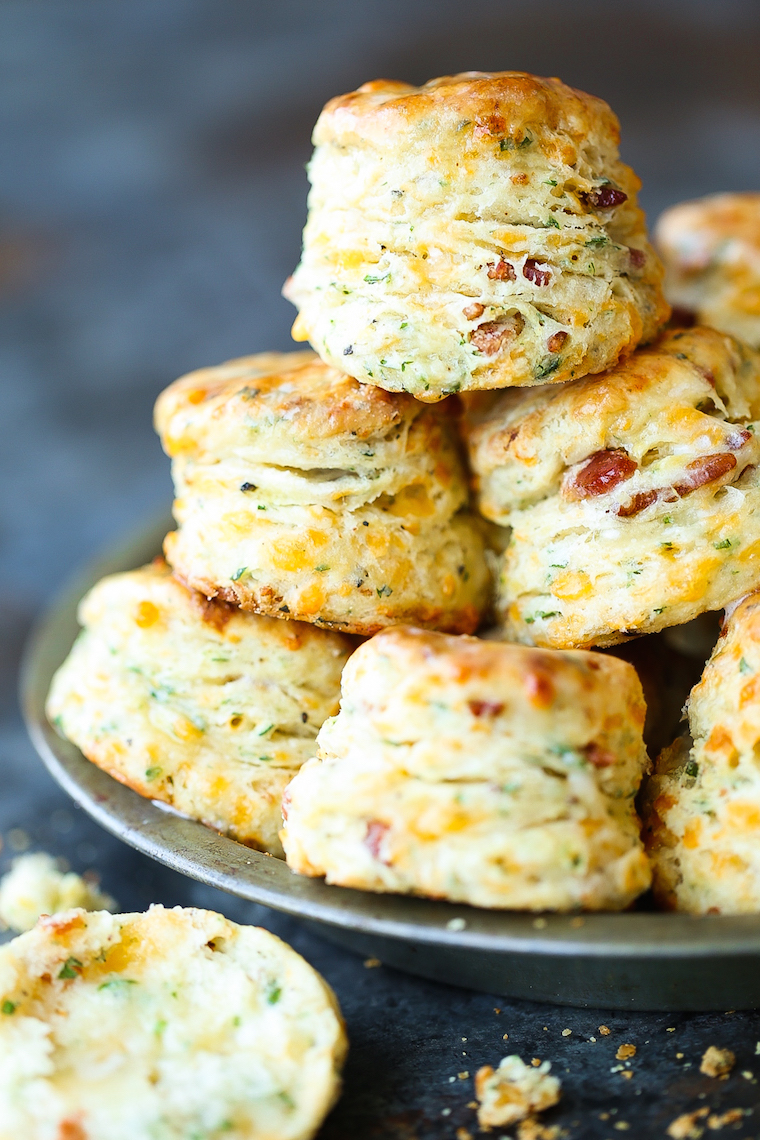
x,y
429,666
692,234
687,389
500,105
291,394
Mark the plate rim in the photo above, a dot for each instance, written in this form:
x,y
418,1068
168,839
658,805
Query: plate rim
x,y
170,838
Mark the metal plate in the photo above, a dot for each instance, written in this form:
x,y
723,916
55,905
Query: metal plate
x,y
617,961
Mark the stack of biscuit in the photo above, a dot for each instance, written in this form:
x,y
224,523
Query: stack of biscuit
x,y
494,426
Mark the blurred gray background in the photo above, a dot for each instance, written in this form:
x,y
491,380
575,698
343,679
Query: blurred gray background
x,y
152,194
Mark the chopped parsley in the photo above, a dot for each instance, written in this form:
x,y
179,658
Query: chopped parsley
x,y
274,993
372,280
71,968
8,1007
744,666
552,221
321,568
384,591
153,773
238,574
117,984
550,182
723,545
692,768
546,367
596,242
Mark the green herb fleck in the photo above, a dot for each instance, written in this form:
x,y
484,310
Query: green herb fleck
x,y
552,222
660,609
525,141
404,364
266,728
237,1021
117,984
238,574
723,545
153,773
372,280
259,508
596,242
321,568
546,614
506,144
403,324
547,366
550,182
667,520
384,591
159,1027
274,993
71,968
744,666
692,768
666,545
8,1007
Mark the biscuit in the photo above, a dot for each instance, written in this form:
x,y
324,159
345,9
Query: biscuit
x,y
478,772
702,805
36,886
171,1024
711,250
477,232
633,498
302,494
195,703
514,1091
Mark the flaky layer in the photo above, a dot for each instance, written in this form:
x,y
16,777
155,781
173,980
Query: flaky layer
x,y
478,772
702,805
711,250
633,498
161,1026
195,703
302,494
477,232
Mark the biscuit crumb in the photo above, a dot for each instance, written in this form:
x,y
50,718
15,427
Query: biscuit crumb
x,y
531,1129
625,1051
464,1134
513,1092
604,1030
505,1037
463,1075
717,1062
35,886
621,1125
371,963
686,1126
536,1062
730,1117
566,1032
627,1074
671,1029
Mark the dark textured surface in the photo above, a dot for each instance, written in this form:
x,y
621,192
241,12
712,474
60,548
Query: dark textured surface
x,y
151,200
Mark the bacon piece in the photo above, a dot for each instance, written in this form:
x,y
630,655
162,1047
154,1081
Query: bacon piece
x,y
376,832
535,274
637,503
707,373
705,470
556,341
539,688
600,473
486,708
502,271
492,336
638,258
599,757
473,311
489,126
603,197
738,439
285,803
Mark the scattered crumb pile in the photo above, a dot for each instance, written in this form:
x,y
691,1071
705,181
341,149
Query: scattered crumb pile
x,y
689,1126
35,886
514,1092
717,1062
